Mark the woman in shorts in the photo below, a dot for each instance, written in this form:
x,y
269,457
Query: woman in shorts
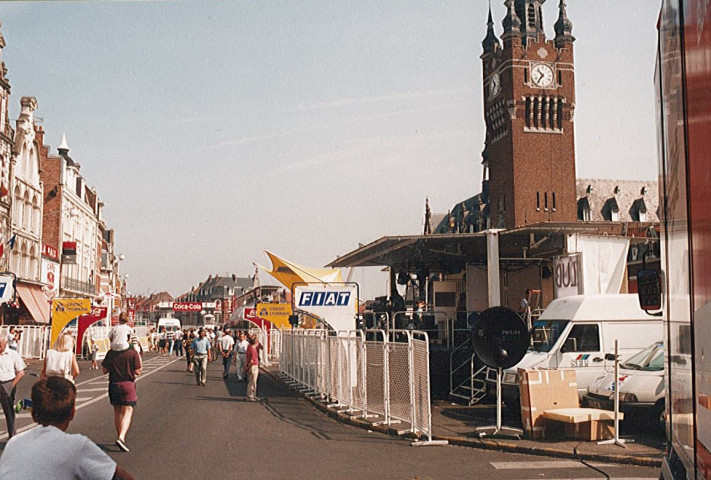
x,y
123,367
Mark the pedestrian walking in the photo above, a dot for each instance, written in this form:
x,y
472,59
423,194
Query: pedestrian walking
x,y
12,369
161,341
60,360
123,367
94,354
170,340
252,369
48,451
189,353
241,355
201,351
225,344
178,342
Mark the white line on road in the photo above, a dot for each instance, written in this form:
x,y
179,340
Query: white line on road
x,y
83,390
100,397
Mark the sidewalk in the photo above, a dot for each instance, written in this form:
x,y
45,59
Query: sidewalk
x,y
457,424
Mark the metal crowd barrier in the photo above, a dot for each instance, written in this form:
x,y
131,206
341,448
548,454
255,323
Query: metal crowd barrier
x,y
33,340
372,374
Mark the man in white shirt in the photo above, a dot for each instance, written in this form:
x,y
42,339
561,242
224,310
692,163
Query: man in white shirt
x,y
225,344
120,335
241,355
178,342
47,451
12,369
525,308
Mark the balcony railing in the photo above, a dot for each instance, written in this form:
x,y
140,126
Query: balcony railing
x,y
77,286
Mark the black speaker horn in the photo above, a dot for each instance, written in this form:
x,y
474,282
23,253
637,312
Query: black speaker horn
x,y
500,337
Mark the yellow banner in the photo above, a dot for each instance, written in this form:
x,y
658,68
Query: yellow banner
x,y
277,313
64,310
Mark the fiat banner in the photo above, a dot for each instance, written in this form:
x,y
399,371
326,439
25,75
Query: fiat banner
x,y
335,303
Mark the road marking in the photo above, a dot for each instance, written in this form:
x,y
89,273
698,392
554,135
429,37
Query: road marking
x,y
553,464
100,397
537,465
83,390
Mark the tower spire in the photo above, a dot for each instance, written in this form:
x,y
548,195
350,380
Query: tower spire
x,y
511,22
63,145
490,42
530,14
563,27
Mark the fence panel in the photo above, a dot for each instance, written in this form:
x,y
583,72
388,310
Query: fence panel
x,y
376,372
358,390
421,383
399,376
384,374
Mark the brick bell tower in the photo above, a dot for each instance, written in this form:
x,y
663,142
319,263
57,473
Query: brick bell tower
x,y
529,101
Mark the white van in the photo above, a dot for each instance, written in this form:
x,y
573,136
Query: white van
x,y
578,332
168,323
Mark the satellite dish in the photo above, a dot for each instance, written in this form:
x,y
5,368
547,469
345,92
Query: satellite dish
x,y
500,337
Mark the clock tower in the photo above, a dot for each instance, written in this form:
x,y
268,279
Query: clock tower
x,y
529,101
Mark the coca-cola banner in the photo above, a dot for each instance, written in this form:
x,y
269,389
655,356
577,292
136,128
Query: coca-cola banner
x,y
187,306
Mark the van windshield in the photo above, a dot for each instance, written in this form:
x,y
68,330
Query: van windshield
x,y
546,333
651,359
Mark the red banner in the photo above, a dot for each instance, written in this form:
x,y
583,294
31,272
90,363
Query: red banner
x,y
187,306
85,321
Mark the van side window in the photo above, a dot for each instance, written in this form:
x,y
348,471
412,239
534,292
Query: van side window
x,y
586,338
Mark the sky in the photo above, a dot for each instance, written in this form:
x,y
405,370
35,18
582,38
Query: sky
x,y
213,130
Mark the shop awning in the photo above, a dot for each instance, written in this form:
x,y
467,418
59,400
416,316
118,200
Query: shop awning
x,y
35,301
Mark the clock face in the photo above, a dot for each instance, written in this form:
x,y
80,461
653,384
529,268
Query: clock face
x,y
542,75
494,85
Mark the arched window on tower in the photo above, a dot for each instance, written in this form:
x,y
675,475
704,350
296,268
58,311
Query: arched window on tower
x,y
560,114
528,112
531,15
538,201
551,113
544,113
536,111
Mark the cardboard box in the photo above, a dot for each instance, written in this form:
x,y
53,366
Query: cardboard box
x,y
590,431
545,390
581,423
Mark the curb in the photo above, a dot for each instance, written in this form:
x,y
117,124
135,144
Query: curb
x,y
489,444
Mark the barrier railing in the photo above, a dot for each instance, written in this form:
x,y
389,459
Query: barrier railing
x,y
372,374
33,340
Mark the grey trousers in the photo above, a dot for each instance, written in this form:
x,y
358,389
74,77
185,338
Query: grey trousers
x,y
7,399
200,369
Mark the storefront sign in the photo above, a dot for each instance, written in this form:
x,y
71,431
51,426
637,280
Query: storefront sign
x,y
50,277
50,252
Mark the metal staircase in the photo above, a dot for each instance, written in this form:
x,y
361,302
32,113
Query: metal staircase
x,y
470,381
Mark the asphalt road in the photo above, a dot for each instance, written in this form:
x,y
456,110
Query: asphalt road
x,y
184,431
